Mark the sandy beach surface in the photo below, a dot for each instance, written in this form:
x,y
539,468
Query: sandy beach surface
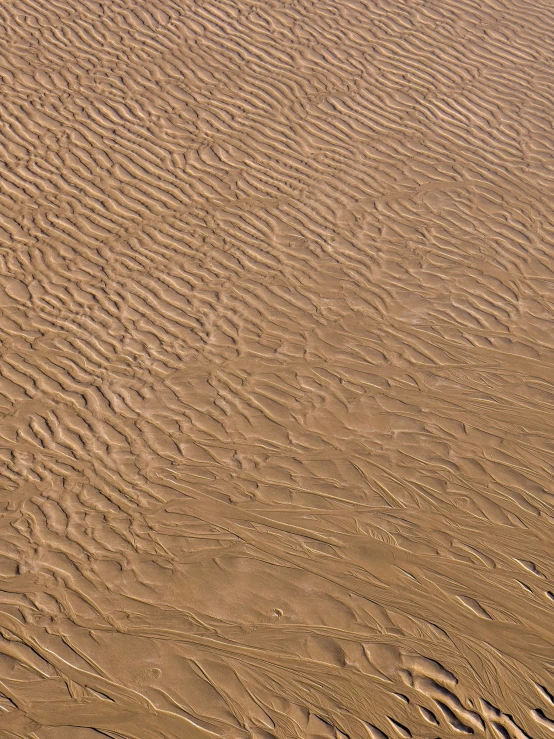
x,y
276,369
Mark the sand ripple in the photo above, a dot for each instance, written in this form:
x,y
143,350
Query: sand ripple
x,y
276,369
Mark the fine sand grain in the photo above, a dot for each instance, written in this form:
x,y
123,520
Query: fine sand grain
x,y
276,369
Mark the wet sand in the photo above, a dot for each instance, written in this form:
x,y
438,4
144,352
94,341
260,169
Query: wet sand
x,y
276,369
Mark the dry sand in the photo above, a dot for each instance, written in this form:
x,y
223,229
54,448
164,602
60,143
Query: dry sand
x,y
276,373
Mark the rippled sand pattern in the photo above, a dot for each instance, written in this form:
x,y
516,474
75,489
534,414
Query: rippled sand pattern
x,y
276,372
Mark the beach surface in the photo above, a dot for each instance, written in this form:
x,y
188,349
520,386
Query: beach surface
x,y
276,369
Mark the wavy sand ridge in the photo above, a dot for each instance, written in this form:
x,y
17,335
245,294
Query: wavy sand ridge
x,y
276,373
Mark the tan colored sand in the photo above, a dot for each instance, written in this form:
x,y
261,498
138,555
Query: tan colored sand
x,y
276,369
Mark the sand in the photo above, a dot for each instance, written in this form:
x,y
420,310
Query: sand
x,y
276,369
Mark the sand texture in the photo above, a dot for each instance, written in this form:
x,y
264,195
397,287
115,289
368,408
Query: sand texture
x,y
276,369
